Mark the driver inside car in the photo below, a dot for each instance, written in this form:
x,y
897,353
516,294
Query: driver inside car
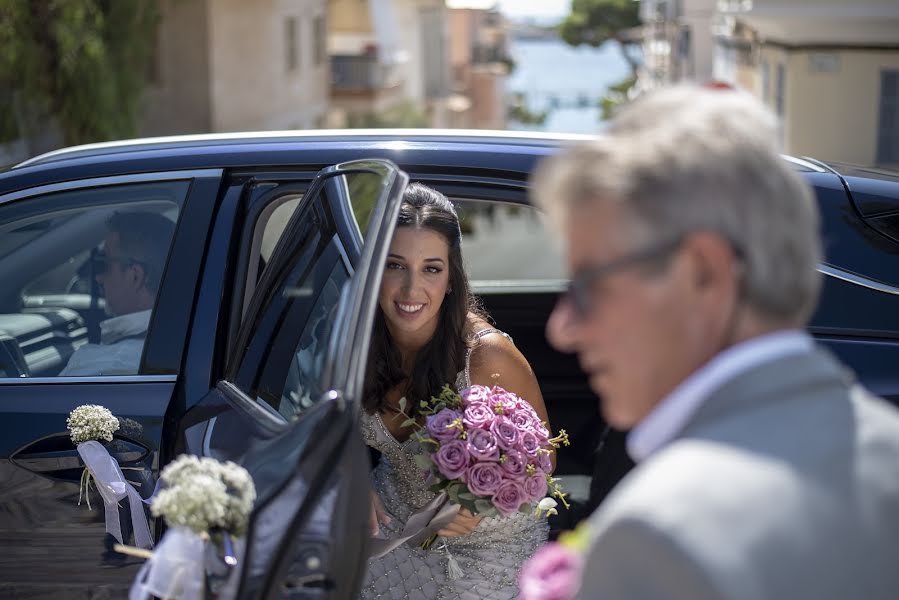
x,y
129,270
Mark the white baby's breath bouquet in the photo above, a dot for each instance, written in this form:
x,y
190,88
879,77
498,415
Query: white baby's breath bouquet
x,y
205,496
86,423
90,426
205,503
91,422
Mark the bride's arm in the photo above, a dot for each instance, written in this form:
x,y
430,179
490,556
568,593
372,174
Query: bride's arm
x,y
496,361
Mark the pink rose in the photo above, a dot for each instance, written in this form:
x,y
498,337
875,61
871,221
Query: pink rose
x,y
506,433
552,573
439,425
509,497
529,443
515,464
478,416
452,459
483,479
535,487
482,445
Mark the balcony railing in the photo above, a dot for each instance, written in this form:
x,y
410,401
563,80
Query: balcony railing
x,y
361,72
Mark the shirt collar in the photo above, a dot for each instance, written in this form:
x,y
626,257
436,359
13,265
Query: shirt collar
x,y
670,415
116,328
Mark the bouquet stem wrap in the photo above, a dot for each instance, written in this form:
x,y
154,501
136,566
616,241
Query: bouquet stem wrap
x,y
176,569
429,519
113,487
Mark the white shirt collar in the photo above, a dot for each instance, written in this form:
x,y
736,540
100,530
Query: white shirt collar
x,y
116,328
670,416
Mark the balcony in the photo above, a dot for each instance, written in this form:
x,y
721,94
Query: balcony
x,y
361,74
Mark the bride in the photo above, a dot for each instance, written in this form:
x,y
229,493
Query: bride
x,y
428,332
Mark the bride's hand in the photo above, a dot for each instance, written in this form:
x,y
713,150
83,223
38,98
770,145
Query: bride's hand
x,y
378,514
463,524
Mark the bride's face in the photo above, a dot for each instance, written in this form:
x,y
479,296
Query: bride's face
x,y
416,278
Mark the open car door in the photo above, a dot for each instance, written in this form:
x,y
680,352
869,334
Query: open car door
x,y
287,409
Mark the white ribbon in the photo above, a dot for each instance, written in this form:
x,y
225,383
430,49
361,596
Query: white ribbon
x,y
113,486
429,519
175,571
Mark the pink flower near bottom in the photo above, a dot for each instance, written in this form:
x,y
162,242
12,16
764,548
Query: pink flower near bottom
x,y
553,573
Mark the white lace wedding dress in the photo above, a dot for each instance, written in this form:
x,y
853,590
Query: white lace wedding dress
x,y
489,557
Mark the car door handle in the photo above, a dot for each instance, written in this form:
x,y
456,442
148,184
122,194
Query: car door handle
x,y
54,455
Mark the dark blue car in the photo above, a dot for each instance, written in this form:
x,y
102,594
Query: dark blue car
x,y
242,319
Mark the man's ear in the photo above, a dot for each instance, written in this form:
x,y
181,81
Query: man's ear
x,y
137,275
713,259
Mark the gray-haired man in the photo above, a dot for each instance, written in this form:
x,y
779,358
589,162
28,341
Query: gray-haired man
x,y
129,270
763,470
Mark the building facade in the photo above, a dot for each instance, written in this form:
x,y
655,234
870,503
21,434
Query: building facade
x,y
238,65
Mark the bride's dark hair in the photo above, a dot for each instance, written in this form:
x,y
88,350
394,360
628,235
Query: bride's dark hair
x,y
443,356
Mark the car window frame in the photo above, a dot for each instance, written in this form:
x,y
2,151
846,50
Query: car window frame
x,y
192,176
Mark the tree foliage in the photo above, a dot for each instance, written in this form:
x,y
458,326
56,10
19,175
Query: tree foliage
x,y
82,64
597,21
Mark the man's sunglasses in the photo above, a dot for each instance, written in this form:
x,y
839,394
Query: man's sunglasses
x,y
580,288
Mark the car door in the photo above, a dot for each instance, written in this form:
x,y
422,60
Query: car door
x,y
49,544
287,409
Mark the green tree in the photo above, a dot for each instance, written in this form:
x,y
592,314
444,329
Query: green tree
x,y
82,64
597,21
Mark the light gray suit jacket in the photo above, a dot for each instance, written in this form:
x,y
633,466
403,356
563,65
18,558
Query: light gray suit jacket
x,y
784,484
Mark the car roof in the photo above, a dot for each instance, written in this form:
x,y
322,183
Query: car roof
x,y
181,142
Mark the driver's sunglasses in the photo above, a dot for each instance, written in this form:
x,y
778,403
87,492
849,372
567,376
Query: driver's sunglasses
x,y
101,261
580,288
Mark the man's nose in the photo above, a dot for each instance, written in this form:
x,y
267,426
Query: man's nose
x,y
562,329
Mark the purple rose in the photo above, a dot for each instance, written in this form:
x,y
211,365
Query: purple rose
x,y
482,445
483,479
552,573
535,487
452,459
521,420
506,433
544,462
478,416
440,425
529,443
475,394
502,402
515,464
541,431
509,497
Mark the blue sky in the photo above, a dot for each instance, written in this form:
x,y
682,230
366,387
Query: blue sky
x,y
542,10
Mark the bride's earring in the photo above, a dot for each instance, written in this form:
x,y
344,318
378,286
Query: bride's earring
x,y
448,290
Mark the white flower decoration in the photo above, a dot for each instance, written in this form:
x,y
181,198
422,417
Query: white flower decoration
x,y
203,494
91,422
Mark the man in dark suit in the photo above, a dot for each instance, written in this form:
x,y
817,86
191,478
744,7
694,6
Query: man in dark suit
x,y
764,470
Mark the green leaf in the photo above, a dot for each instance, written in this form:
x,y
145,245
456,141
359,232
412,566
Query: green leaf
x,y
408,423
467,496
482,507
403,404
423,461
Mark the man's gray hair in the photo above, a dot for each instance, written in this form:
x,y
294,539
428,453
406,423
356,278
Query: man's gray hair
x,y
687,159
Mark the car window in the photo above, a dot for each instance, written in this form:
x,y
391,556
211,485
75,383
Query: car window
x,y
508,247
81,269
304,382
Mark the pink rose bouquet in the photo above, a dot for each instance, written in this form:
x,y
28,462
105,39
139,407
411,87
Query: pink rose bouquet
x,y
554,571
488,451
